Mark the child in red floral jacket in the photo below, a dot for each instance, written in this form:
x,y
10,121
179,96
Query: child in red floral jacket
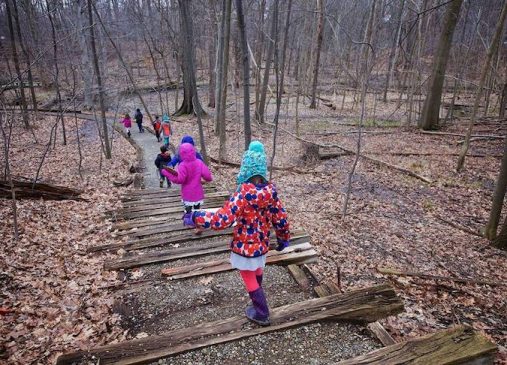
x,y
255,207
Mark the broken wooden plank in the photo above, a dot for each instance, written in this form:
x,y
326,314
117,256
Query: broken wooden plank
x,y
390,271
458,345
184,252
300,276
363,305
185,236
380,332
300,253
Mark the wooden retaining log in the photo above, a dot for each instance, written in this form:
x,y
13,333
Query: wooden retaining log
x,y
363,305
184,252
458,345
297,254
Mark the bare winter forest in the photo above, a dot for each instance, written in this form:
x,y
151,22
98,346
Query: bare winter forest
x,y
385,130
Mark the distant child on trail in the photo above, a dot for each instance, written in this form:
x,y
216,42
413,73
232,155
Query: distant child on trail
x,y
157,126
255,207
138,116
176,159
162,160
166,129
189,174
127,124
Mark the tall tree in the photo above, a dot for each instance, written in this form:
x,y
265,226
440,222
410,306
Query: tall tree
x,y
102,104
246,72
190,98
12,35
318,47
493,47
431,108
223,67
269,56
394,47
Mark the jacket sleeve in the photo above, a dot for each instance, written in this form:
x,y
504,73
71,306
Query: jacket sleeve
x,y
206,173
198,155
175,160
157,162
177,179
279,220
224,217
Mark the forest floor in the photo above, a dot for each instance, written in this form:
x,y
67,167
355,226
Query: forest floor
x,y
393,220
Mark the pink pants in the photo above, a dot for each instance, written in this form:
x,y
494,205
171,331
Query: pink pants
x,y
250,279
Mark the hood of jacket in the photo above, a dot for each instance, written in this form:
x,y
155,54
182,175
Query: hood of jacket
x,y
187,152
187,139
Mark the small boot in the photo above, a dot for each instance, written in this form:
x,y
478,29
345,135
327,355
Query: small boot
x,y
259,279
258,312
161,183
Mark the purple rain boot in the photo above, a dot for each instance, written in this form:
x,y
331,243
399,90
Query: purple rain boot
x,y
259,279
258,312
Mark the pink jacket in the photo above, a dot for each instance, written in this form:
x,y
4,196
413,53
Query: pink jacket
x,y
127,122
190,172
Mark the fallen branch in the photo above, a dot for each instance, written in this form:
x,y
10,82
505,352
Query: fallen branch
x,y
457,226
276,168
390,271
485,136
27,190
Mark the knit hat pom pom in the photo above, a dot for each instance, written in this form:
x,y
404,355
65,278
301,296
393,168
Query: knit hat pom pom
x,y
256,146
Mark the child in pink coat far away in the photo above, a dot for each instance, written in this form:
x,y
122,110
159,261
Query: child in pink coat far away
x,y
189,174
127,123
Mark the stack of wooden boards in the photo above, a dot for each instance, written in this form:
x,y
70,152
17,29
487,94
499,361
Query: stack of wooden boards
x,y
152,219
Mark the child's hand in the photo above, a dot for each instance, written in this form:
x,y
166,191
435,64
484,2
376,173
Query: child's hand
x,y
282,245
170,170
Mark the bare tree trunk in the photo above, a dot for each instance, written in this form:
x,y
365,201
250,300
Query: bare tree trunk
x,y
393,53
501,240
86,62
57,71
99,81
6,145
246,73
491,51
259,45
26,54
24,111
223,67
190,97
431,108
269,56
503,102
212,56
318,47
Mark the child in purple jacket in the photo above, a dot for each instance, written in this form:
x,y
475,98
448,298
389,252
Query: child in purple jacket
x,y
189,174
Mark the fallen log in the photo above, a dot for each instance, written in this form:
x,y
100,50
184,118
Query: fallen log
x,y
390,271
488,136
28,190
297,254
275,168
458,345
363,305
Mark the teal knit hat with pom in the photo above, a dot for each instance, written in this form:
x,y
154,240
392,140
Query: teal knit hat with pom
x,y
253,163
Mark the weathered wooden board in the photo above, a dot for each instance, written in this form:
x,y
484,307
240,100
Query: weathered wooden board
x,y
218,201
185,236
299,275
165,211
169,200
458,345
184,252
160,192
300,253
363,305
157,227
143,222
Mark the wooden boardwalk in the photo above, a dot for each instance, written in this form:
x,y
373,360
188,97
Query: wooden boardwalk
x,y
151,236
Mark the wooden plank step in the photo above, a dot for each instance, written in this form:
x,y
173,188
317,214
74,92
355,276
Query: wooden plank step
x,y
140,194
164,211
173,199
299,275
185,236
363,305
158,227
458,345
219,201
295,254
183,252
140,222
